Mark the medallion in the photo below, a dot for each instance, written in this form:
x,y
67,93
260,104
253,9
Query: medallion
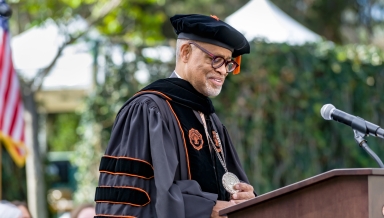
x,y
229,181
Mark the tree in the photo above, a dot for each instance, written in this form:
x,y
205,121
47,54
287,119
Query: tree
x,y
103,15
136,24
350,21
272,109
133,25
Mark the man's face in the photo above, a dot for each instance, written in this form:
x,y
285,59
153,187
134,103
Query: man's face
x,y
200,73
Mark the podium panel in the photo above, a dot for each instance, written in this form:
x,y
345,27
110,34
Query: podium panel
x,y
352,193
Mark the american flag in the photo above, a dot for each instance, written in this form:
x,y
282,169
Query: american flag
x,y
11,105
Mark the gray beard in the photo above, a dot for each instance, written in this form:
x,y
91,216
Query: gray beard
x,y
210,91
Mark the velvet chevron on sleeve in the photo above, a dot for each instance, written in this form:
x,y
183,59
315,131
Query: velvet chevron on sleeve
x,y
140,171
158,162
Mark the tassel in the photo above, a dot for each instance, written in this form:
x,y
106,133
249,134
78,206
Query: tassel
x,y
215,17
238,61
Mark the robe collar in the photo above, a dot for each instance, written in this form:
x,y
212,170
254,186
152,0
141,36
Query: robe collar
x,y
182,92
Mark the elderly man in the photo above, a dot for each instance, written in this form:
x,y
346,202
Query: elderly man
x,y
169,155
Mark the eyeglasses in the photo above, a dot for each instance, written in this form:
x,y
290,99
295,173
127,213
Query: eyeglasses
x,y
218,61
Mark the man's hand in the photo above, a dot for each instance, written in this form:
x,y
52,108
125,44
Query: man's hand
x,y
245,193
220,205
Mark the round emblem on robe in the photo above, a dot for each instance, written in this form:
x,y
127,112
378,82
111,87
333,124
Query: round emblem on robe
x,y
196,139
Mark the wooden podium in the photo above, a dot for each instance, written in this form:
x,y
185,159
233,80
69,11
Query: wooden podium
x,y
349,193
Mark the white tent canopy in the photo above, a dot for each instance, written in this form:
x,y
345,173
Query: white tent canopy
x,y
262,19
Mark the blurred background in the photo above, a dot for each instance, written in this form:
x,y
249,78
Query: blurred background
x,y
78,61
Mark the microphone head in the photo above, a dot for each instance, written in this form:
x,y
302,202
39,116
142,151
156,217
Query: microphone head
x,y
326,111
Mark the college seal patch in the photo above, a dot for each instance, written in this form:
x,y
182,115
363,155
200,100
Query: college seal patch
x,y
196,139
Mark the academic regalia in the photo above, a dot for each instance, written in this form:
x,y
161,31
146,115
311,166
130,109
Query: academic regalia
x,y
152,165
158,163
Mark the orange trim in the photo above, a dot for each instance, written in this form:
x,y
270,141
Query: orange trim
x,y
129,187
215,17
238,61
112,202
106,215
125,174
150,91
130,158
185,144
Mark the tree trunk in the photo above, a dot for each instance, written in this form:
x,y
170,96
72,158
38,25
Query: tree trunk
x,y
34,167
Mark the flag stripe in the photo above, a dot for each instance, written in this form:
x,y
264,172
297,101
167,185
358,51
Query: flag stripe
x,y
11,105
10,100
15,113
5,81
19,124
2,44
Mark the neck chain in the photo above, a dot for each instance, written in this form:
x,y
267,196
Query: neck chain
x,y
220,155
229,180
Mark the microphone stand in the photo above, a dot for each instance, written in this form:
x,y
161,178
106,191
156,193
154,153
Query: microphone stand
x,y
360,130
360,140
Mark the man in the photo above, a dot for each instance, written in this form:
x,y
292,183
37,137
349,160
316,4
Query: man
x,y
169,155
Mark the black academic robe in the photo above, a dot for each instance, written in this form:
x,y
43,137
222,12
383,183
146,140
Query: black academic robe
x,y
146,169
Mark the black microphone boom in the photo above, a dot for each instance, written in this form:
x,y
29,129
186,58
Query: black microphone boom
x,y
329,112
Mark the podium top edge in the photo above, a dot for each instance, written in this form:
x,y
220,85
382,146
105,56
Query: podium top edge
x,y
354,171
304,183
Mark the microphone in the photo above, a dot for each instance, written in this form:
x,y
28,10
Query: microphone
x,y
329,112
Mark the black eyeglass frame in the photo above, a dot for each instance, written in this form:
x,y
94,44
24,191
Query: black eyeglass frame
x,y
214,57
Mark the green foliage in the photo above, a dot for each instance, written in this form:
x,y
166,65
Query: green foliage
x,y
272,109
322,16
134,22
61,131
219,8
348,21
13,185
